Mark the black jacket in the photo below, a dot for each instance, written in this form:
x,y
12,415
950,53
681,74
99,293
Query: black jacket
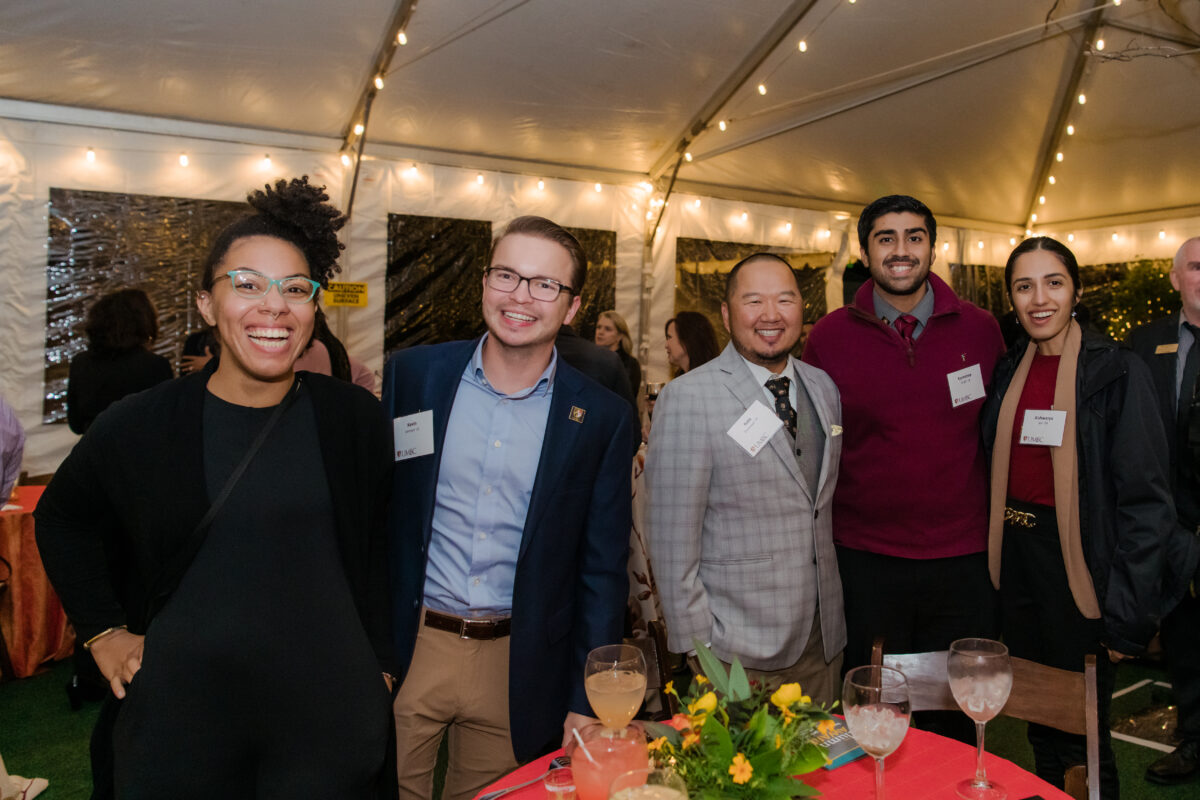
x,y
1125,510
133,489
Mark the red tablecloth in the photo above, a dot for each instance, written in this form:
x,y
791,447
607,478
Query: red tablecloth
x,y
926,767
31,618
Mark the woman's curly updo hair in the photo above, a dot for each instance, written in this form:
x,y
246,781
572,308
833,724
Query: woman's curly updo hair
x,y
296,212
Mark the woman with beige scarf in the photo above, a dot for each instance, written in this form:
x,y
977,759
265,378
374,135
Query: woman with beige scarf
x,y
1080,499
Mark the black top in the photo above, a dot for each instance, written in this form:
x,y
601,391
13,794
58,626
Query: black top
x,y
96,382
126,499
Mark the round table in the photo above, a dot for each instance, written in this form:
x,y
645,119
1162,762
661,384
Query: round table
x,y
926,767
31,618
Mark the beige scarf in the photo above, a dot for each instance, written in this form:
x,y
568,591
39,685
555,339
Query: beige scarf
x,y
1065,463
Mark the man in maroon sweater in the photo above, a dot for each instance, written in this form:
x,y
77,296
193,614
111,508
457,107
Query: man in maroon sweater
x,y
912,362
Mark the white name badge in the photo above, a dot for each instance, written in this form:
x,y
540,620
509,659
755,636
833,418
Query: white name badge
x,y
755,428
966,385
1043,427
412,435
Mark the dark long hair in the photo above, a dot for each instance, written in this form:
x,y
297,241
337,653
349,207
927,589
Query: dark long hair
x,y
696,334
1053,246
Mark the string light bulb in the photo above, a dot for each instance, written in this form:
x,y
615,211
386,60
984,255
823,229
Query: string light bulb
x,y
479,179
1051,180
745,216
402,38
1033,217
1099,44
1012,240
646,186
413,171
1082,98
1042,200
379,82
266,162
696,203
1070,237
803,46
345,159
981,244
1070,130
722,125
945,247
762,88
687,157
1058,156
91,155
358,129
599,188
787,227
1028,232
183,160
541,185
1162,234
649,215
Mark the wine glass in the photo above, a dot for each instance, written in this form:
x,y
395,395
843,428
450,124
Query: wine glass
x,y
648,783
875,701
980,680
615,681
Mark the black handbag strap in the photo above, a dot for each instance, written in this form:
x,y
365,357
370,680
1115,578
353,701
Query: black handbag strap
x,y
173,573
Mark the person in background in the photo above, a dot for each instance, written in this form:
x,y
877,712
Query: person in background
x,y
691,341
198,349
1080,499
912,362
12,448
119,327
1170,347
229,526
508,560
741,538
612,331
327,355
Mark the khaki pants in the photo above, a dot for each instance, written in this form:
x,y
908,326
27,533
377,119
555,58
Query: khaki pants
x,y
819,680
461,684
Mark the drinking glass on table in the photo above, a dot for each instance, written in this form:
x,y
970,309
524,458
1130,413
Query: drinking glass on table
x,y
615,681
648,783
875,702
598,757
980,679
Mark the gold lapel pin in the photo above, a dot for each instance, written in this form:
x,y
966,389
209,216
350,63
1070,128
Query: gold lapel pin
x,y
577,414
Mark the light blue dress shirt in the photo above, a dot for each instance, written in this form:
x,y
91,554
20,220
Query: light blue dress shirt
x,y
489,462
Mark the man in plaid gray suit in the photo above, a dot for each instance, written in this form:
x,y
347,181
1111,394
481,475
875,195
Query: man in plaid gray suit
x,y
740,472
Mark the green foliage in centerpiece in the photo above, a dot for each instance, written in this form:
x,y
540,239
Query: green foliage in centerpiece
x,y
740,740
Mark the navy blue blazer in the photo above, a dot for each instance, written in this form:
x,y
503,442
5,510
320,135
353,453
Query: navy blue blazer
x,y
570,588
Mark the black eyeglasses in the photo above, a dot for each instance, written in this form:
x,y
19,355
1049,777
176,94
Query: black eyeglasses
x,y
505,280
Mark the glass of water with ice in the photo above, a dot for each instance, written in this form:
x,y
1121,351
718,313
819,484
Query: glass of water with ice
x,y
980,679
875,702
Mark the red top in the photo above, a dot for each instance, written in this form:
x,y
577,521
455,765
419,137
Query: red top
x,y
1030,472
913,477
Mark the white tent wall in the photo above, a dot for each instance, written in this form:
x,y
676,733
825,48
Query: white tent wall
x,y
45,146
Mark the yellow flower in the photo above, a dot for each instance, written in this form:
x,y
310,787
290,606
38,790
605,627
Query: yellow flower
x,y
740,769
701,680
690,738
826,726
670,687
787,695
705,704
657,744
778,740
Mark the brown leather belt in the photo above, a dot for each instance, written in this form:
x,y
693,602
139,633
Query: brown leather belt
x,y
466,628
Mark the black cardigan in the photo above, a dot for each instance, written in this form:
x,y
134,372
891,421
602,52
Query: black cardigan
x,y
124,502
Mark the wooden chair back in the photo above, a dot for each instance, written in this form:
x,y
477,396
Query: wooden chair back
x,y
1056,698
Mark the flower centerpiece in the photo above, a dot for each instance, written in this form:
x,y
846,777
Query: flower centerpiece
x,y
740,740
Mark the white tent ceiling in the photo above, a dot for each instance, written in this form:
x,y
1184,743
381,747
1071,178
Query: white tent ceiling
x,y
961,102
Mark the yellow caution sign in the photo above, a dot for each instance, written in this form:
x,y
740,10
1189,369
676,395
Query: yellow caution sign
x,y
341,293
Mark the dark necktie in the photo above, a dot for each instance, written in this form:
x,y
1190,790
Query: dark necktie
x,y
905,324
783,406
1191,367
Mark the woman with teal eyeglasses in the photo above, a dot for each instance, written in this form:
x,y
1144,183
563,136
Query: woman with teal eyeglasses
x,y
218,543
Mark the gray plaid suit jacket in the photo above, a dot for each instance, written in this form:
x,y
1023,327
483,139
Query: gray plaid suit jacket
x,y
742,553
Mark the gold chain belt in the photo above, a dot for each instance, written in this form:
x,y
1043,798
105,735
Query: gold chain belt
x,y
1023,519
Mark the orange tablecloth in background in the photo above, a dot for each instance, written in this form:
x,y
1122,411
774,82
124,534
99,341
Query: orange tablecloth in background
x,y
926,767
35,627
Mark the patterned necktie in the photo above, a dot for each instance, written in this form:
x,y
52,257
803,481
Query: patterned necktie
x,y
783,406
905,324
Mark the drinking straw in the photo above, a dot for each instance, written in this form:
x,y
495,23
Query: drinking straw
x,y
582,746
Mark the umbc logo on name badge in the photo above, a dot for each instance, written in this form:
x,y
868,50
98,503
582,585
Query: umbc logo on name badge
x,y
577,414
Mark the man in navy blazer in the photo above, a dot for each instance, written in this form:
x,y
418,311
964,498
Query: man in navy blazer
x,y
1171,348
509,528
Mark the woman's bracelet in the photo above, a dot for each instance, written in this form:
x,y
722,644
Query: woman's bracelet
x,y
88,644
